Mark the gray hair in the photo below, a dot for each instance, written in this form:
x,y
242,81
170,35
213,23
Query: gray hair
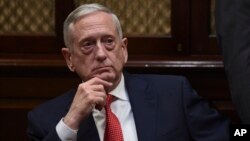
x,y
82,11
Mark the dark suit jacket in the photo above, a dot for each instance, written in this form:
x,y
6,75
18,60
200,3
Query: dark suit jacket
x,y
165,108
233,32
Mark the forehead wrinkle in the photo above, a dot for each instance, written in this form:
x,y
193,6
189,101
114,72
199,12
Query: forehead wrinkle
x,y
94,27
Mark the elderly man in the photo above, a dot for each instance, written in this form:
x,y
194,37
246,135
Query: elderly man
x,y
112,105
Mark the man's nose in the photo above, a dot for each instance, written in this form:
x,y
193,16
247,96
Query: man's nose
x,y
100,52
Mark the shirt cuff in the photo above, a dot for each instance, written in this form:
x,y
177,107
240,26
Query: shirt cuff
x,y
65,133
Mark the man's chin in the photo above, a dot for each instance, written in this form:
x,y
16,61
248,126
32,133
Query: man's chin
x,y
105,76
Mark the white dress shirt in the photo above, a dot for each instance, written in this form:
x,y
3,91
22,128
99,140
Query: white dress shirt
x,y
120,107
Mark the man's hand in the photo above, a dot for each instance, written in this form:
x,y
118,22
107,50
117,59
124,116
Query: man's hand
x,y
89,94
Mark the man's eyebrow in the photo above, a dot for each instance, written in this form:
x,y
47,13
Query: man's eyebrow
x,y
86,39
108,35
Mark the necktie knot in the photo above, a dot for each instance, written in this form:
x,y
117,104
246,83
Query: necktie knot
x,y
109,100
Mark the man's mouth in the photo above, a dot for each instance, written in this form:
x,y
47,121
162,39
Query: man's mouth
x,y
99,70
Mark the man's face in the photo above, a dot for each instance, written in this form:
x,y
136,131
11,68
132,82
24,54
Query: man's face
x,y
97,49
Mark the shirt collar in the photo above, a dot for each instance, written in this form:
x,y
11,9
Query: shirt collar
x,y
120,90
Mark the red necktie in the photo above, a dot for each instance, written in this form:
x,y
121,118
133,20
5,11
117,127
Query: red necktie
x,y
113,130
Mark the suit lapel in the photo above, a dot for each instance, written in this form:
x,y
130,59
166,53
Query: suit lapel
x,y
143,103
88,130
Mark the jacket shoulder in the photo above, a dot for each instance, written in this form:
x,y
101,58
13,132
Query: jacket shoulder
x,y
162,80
60,102
52,110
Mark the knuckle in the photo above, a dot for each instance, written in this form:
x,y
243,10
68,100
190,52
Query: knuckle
x,y
100,86
82,87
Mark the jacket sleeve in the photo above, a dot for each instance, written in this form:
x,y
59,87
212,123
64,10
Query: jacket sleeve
x,y
204,123
37,132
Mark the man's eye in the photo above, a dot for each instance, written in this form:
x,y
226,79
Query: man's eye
x,y
108,41
88,45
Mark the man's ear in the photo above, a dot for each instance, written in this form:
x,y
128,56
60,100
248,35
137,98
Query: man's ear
x,y
68,58
124,48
